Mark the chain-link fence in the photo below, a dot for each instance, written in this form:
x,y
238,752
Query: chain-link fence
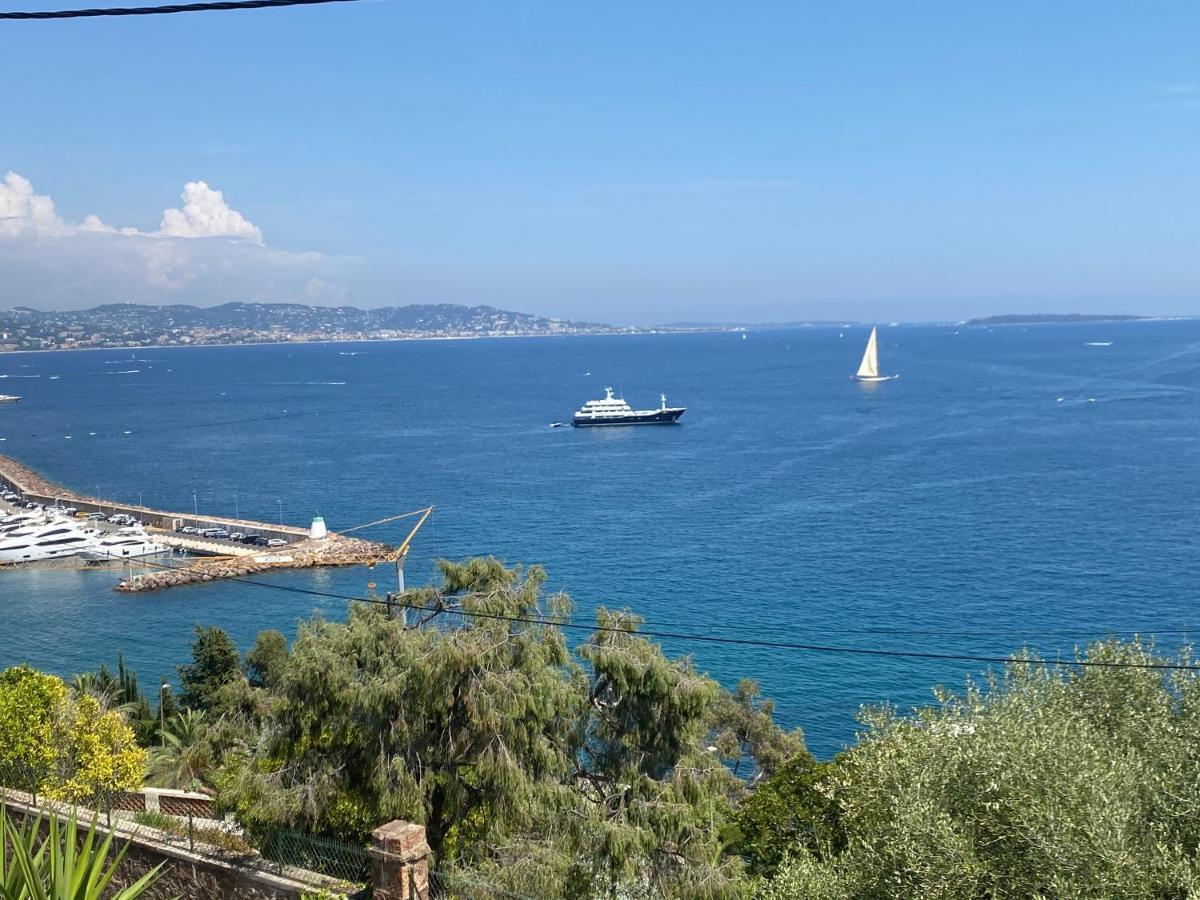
x,y
337,859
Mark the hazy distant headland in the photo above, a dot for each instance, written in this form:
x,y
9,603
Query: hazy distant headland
x,y
1051,319
137,325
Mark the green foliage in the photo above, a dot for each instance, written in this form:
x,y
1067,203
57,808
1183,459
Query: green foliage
x,y
267,659
120,691
373,721
65,865
28,704
786,813
185,758
215,663
533,772
63,745
97,752
1053,782
180,828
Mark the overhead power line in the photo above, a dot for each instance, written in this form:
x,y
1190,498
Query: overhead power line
x,y
219,6
706,638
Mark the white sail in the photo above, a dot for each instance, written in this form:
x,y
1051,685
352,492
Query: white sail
x,y
869,368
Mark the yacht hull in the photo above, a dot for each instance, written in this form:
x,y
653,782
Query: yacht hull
x,y
656,417
105,555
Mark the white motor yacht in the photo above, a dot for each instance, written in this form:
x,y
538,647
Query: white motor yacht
x,y
49,539
125,543
615,411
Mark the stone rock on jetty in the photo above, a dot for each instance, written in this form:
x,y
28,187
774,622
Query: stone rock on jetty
x,y
334,550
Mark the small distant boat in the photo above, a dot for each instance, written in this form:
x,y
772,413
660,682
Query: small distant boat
x,y
9,398
868,369
1098,344
614,411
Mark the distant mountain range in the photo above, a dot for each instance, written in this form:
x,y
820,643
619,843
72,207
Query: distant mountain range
x,y
137,325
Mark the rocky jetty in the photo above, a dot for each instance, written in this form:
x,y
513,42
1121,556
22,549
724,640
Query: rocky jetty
x,y
334,550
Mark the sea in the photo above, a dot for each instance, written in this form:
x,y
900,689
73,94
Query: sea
x,y
1017,487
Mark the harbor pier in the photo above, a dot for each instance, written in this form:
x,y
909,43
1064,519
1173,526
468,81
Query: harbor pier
x,y
220,559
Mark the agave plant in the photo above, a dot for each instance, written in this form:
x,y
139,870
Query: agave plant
x,y
62,866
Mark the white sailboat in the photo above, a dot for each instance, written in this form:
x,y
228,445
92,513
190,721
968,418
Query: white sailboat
x,y
868,369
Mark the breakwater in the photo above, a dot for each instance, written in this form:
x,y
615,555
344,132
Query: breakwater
x,y
333,550
224,559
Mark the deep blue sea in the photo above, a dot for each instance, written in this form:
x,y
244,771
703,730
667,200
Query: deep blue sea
x,y
1016,486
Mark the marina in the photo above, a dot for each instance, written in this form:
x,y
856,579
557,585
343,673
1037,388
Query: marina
x,y
213,555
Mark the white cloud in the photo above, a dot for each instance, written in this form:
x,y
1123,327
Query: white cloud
x,y
24,212
206,214
205,252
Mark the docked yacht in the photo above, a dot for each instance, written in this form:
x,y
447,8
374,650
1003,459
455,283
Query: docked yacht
x,y
614,411
125,543
50,538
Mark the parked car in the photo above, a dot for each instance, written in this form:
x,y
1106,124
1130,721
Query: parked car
x,y
257,540
95,517
189,529
237,536
276,542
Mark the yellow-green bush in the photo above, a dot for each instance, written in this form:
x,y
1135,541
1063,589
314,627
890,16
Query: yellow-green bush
x,y
63,746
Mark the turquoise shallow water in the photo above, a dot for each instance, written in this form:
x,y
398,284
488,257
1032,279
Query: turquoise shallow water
x,y
1015,485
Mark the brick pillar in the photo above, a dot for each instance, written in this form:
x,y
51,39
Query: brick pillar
x,y
401,862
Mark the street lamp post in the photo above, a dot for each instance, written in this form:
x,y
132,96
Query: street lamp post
x,y
236,511
195,504
162,714
280,502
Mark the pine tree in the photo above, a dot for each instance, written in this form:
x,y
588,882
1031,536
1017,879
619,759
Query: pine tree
x,y
215,663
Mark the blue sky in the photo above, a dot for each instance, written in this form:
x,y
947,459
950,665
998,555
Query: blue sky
x,y
617,162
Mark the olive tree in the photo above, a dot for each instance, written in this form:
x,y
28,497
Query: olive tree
x,y
1043,781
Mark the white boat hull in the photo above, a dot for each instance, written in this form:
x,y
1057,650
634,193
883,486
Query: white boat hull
x,y
131,551
871,379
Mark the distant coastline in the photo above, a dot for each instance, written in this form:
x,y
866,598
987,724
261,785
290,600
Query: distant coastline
x,y
323,341
132,326
1056,319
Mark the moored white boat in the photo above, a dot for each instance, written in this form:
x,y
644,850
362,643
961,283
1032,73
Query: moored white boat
x,y
126,543
50,538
